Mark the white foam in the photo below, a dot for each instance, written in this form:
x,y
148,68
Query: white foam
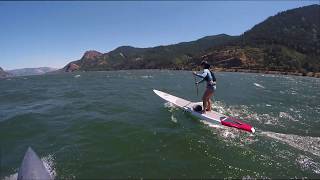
x,y
11,177
306,163
259,85
173,119
170,106
146,76
293,92
77,76
265,119
49,164
212,124
287,116
225,133
303,143
228,134
231,135
220,107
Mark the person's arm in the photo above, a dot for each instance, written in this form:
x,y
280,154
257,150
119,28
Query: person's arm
x,y
203,75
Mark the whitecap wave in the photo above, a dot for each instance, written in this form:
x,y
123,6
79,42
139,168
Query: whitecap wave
x,y
259,85
146,76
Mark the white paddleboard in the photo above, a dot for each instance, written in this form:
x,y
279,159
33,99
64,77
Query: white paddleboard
x,y
209,116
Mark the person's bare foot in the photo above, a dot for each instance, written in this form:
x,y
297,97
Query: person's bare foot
x,y
208,109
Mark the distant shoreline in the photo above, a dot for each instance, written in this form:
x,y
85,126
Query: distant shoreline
x,y
260,71
308,74
216,69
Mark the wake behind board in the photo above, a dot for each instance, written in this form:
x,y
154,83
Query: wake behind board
x,y
209,116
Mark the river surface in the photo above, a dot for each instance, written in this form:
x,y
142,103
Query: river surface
x,y
112,125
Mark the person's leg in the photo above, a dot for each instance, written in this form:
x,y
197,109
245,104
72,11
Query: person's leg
x,y
204,103
210,97
205,100
209,105
209,102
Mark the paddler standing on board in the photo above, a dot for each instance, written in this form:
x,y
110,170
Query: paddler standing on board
x,y
209,77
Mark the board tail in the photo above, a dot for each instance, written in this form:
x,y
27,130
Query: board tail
x,y
233,122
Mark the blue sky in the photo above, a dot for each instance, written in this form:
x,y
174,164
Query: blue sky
x,y
35,34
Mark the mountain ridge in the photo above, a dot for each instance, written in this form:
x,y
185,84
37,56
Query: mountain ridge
x,y
286,42
30,71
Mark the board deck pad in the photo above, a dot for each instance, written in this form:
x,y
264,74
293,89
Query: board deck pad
x,y
209,116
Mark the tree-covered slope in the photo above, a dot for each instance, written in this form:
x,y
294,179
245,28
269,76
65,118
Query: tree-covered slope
x,y
298,29
288,41
171,56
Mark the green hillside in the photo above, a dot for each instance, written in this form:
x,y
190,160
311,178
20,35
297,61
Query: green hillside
x,y
288,41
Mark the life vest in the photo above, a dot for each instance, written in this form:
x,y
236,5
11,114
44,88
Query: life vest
x,y
212,75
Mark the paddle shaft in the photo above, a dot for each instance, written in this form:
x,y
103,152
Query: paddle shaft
x,y
195,81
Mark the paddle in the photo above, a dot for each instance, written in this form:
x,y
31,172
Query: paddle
x,y
197,86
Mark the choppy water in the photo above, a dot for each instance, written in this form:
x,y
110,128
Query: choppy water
x,y
111,125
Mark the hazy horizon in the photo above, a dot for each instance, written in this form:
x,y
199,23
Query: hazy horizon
x,y
51,34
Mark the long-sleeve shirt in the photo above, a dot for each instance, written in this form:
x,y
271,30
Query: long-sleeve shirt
x,y
207,76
